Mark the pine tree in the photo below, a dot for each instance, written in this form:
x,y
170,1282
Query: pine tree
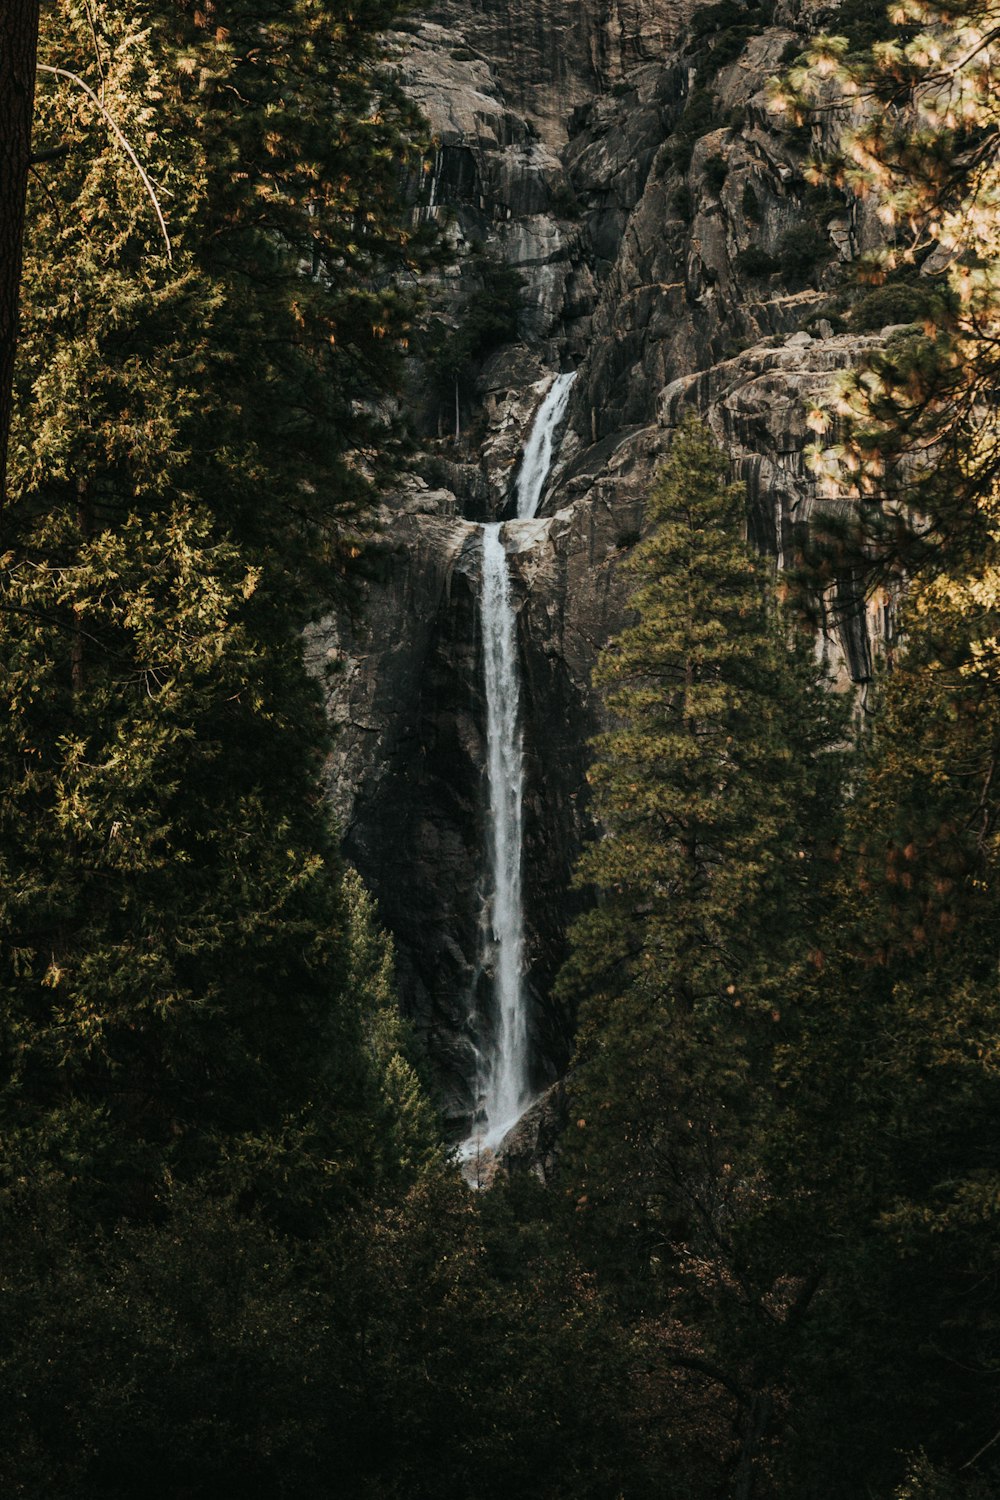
x,y
886,1172
197,1059
405,1124
914,122
193,435
885,1169
717,793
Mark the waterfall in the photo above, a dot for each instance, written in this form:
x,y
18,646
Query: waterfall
x,y
537,460
505,1072
503,1079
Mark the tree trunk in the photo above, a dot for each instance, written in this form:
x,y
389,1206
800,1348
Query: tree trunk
x,y
18,49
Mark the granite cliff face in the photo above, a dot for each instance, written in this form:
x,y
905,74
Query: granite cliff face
x,y
622,158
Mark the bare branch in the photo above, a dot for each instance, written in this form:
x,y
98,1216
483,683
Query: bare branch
x,y
74,78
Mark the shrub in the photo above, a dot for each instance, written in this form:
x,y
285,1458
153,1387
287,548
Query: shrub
x,y
715,18
727,14
755,262
699,117
564,202
716,171
889,304
801,250
823,202
727,46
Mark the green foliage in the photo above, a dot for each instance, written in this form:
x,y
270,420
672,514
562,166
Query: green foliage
x,y
232,1258
566,204
728,46
755,262
252,364
717,794
710,20
199,1051
823,202
186,460
716,172
862,24
885,1172
699,117
427,1348
801,250
927,148
720,33
406,1127
905,296
486,318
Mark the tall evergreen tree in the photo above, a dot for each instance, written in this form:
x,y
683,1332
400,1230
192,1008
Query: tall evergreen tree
x,y
885,1170
197,1053
717,791
887,1174
194,434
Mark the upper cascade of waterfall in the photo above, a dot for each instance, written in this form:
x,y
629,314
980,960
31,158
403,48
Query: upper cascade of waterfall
x,y
537,460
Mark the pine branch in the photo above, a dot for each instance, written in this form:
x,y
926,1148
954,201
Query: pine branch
x,y
123,142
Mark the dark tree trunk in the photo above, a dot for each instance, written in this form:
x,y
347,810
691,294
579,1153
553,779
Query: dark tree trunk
x,y
18,48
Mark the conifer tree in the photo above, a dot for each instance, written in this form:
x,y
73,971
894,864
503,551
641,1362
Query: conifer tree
x,y
196,428
884,1166
717,792
886,1172
197,1051
915,121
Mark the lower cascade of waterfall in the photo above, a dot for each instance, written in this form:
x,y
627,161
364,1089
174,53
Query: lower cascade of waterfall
x,y
503,1059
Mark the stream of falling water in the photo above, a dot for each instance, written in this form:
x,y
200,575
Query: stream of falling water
x,y
504,1080
505,1071
537,460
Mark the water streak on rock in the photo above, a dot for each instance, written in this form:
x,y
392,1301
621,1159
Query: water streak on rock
x,y
534,471
504,1064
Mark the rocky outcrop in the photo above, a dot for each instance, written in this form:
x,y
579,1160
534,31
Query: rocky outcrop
x,y
675,256
552,56
407,778
532,1146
